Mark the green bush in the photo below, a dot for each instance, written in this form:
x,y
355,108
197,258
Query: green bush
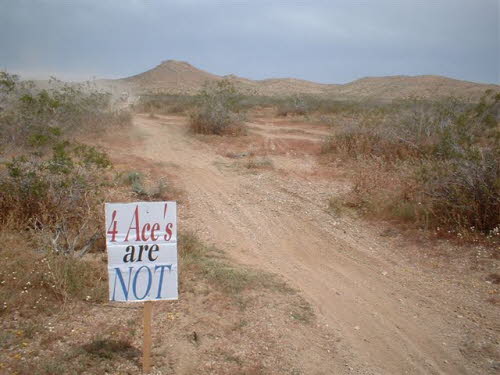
x,y
217,111
34,117
58,196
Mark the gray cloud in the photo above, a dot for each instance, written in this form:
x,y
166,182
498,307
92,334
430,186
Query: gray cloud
x,y
326,41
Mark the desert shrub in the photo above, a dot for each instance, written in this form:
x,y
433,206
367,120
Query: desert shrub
x,y
389,136
441,160
158,191
246,102
355,141
144,189
322,104
461,193
418,129
382,189
132,177
294,105
162,191
135,180
328,105
217,111
165,103
58,196
30,116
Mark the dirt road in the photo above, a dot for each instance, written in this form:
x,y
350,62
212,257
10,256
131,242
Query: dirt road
x,y
390,316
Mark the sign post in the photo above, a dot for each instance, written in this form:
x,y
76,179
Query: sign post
x,y
141,240
146,348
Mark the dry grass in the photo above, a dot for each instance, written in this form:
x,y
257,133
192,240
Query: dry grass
x,y
262,162
212,264
226,321
336,206
35,282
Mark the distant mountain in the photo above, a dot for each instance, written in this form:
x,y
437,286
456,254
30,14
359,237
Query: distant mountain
x,y
181,77
171,75
425,86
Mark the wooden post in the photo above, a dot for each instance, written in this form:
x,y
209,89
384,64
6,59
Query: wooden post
x,y
146,348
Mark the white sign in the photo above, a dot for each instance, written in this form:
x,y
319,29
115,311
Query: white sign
x,y
141,239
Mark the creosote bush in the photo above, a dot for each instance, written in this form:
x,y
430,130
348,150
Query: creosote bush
x,y
442,159
58,195
217,111
34,117
462,193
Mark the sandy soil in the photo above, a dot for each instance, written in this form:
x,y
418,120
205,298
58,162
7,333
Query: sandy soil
x,y
391,314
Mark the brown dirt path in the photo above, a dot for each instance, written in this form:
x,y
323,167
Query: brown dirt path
x,y
390,316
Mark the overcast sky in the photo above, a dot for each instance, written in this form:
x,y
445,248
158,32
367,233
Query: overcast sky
x,y
325,41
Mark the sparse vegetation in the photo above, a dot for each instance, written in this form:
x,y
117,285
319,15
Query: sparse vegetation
x,y
295,105
259,163
237,102
165,104
214,266
304,105
208,279
148,191
435,164
336,206
54,275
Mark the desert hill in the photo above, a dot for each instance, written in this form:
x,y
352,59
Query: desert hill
x,y
176,75
173,76
426,86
